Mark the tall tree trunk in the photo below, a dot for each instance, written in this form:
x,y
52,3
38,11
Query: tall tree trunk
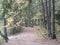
x,y
4,13
46,12
43,11
49,18
5,29
53,19
30,13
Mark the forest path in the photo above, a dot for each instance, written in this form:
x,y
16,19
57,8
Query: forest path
x,y
29,37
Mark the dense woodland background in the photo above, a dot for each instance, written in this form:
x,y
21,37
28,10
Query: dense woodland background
x,y
15,14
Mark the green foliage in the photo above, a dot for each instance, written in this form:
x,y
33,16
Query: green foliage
x,y
17,12
57,12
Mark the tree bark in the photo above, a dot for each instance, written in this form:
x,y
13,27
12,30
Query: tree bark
x,y
49,18
43,12
4,13
53,19
30,14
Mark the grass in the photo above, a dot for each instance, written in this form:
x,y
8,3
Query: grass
x,y
1,26
1,40
1,29
42,31
58,30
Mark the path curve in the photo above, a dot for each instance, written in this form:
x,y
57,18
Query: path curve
x,y
28,37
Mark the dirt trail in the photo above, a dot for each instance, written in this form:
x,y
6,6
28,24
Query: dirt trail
x,y
28,37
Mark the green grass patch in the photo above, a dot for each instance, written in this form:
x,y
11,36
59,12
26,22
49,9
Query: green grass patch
x,y
42,31
1,40
58,30
1,26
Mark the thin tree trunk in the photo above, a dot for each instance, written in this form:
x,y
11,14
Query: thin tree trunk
x,y
49,18
4,12
5,30
46,12
30,13
53,19
43,11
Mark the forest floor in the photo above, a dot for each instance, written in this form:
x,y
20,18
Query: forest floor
x,y
29,37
